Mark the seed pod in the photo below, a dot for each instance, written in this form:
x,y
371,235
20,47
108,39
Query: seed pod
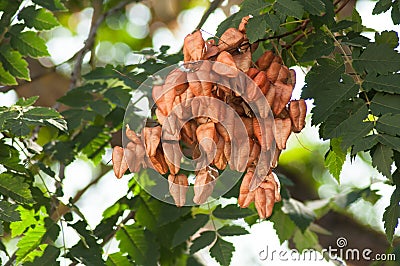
x,y
194,46
254,154
135,154
282,132
211,49
178,186
273,71
160,116
206,137
243,23
188,132
164,98
261,80
297,112
283,93
231,38
245,195
172,155
228,66
283,74
177,81
252,72
243,61
171,128
119,161
248,124
264,135
204,185
219,159
265,199
292,77
158,162
275,159
152,137
265,60
132,136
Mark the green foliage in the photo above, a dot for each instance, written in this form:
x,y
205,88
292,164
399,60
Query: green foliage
x,y
222,251
392,212
335,158
232,212
205,239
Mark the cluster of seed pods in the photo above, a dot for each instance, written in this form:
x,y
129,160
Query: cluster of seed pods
x,y
223,110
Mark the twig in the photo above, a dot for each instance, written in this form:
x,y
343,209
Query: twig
x,y
131,215
76,73
214,5
342,6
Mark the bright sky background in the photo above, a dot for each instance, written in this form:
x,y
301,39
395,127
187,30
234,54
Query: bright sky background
x,y
103,194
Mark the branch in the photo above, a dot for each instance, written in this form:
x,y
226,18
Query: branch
x,y
131,215
214,5
76,73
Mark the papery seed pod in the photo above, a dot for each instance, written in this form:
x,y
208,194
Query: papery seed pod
x,y
228,151
282,132
264,135
132,136
222,131
277,59
283,74
178,186
248,124
204,185
265,60
158,163
265,199
243,23
252,72
261,80
273,71
171,128
219,160
194,46
228,66
188,132
160,116
297,112
292,77
135,154
164,98
119,162
172,155
275,158
177,81
277,185
260,202
254,154
283,93
206,137
211,49
152,137
243,61
231,38
245,196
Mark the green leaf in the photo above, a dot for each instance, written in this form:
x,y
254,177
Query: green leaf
x,y
364,144
27,102
283,225
319,45
298,212
117,259
392,212
314,7
222,251
387,37
232,230
52,5
30,241
76,98
396,13
378,58
101,107
335,158
382,159
384,83
188,228
232,211
49,257
390,141
8,212
289,8
389,124
205,239
385,103
1,230
255,28
13,186
5,77
27,219
382,6
14,63
305,240
28,43
118,96
39,19
272,21
139,243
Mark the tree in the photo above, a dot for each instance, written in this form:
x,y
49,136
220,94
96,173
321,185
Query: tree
x,y
353,81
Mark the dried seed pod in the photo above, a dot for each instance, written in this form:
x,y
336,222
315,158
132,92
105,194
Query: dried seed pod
x,y
171,128
252,72
194,46
243,23
158,163
204,185
275,159
211,49
261,80
188,132
160,116
292,77
119,161
265,199
132,136
177,81
243,61
228,66
164,98
222,131
206,137
254,154
172,155
135,155
248,124
264,136
282,132
265,60
273,71
152,137
283,74
283,93
219,159
178,186
297,112
245,195
231,38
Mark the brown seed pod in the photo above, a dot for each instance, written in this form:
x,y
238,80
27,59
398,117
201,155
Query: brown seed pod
x,y
206,137
219,160
188,132
252,72
243,23
283,93
164,98
275,159
273,71
231,38
261,80
177,81
194,47
297,112
283,74
173,160
119,161
245,195
254,154
282,132
211,49
178,186
243,61
264,136
204,185
158,163
135,154
228,66
265,199
152,137
265,60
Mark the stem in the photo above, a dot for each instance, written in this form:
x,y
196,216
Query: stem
x,y
214,5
